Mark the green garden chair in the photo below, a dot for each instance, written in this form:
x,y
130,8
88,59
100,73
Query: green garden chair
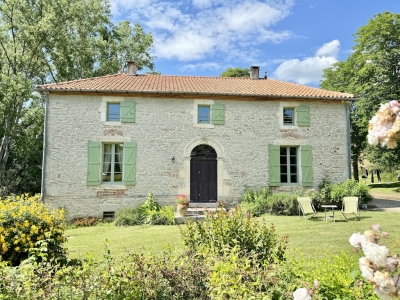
x,y
350,206
306,207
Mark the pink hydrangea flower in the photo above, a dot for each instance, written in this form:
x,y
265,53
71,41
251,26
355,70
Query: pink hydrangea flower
x,y
375,227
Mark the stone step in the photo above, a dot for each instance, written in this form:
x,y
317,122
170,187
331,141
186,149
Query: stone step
x,y
204,205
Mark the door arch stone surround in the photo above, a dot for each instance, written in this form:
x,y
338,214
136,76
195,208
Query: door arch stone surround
x,y
222,175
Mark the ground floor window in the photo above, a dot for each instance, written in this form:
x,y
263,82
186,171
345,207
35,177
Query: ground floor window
x,y
112,162
288,164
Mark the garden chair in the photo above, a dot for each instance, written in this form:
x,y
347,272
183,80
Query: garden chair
x,y
306,207
350,206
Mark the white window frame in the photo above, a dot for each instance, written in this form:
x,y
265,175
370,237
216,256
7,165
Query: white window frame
x,y
284,105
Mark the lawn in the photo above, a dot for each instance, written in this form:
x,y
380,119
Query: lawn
x,y
312,237
391,189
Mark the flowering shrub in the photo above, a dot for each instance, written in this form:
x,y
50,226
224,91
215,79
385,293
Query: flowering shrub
x,y
384,127
377,266
24,221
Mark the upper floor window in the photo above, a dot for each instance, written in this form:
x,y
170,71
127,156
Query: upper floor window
x,y
113,111
288,116
203,114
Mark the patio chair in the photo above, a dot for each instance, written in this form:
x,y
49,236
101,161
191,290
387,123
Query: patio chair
x,y
350,206
306,207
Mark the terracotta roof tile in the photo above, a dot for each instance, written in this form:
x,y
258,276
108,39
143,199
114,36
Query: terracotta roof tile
x,y
192,85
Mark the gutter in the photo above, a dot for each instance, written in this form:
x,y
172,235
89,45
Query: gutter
x,y
130,92
348,107
46,103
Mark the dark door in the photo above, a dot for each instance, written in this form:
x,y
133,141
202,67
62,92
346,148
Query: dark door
x,y
203,179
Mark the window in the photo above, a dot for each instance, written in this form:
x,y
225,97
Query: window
x,y
112,162
288,164
113,111
204,114
288,116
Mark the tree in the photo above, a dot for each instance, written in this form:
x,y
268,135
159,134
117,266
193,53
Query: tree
x,y
236,72
371,73
45,41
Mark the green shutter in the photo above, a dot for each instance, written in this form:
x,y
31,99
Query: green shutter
x,y
303,116
218,114
128,111
93,171
129,170
274,166
306,165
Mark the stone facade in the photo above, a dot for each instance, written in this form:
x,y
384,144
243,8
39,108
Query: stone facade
x,y
166,128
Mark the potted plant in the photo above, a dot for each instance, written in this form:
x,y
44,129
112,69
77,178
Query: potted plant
x,y
182,205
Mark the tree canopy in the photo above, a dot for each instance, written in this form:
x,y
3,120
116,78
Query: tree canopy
x,y
371,73
236,72
45,41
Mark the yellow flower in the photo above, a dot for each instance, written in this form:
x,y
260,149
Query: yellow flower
x,y
17,249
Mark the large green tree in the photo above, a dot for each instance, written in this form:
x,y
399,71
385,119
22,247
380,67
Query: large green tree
x,y
44,41
371,73
236,72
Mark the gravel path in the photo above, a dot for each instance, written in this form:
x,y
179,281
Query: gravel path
x,y
386,203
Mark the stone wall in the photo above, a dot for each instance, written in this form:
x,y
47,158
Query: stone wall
x,y
167,128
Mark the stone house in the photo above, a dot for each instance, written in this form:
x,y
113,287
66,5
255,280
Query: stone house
x,y
110,140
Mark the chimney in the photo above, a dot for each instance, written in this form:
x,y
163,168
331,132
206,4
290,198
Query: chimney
x,y
254,73
132,68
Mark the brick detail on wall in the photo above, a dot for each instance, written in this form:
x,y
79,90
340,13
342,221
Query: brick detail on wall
x,y
113,193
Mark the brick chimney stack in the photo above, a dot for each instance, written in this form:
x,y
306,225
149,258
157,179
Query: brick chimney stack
x,y
254,73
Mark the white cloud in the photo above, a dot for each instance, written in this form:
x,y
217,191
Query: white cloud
x,y
329,49
310,69
191,30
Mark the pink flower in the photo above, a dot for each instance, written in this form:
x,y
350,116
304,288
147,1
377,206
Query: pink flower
x,y
375,227
393,103
316,283
384,233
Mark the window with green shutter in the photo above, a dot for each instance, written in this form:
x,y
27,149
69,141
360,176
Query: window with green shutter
x,y
303,116
93,170
128,111
111,163
113,112
306,165
218,114
288,165
274,165
129,163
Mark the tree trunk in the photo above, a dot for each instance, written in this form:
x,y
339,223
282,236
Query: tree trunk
x,y
355,169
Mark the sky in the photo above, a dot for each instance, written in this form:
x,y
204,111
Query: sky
x,y
292,40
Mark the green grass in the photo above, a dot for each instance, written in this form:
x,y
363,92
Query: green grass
x,y
312,237
390,188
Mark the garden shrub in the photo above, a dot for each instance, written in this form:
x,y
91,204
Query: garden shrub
x,y
350,188
227,230
129,216
338,276
24,221
164,216
264,201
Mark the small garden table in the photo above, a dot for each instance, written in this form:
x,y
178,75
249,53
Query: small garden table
x,y
327,207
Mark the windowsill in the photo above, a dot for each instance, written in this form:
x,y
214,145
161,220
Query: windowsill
x,y
203,125
113,123
289,127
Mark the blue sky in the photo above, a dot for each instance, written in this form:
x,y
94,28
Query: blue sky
x,y
293,40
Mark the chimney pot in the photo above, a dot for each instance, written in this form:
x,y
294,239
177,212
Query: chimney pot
x,y
254,72
132,68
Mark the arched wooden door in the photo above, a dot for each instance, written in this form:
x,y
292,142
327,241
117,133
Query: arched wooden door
x,y
203,174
